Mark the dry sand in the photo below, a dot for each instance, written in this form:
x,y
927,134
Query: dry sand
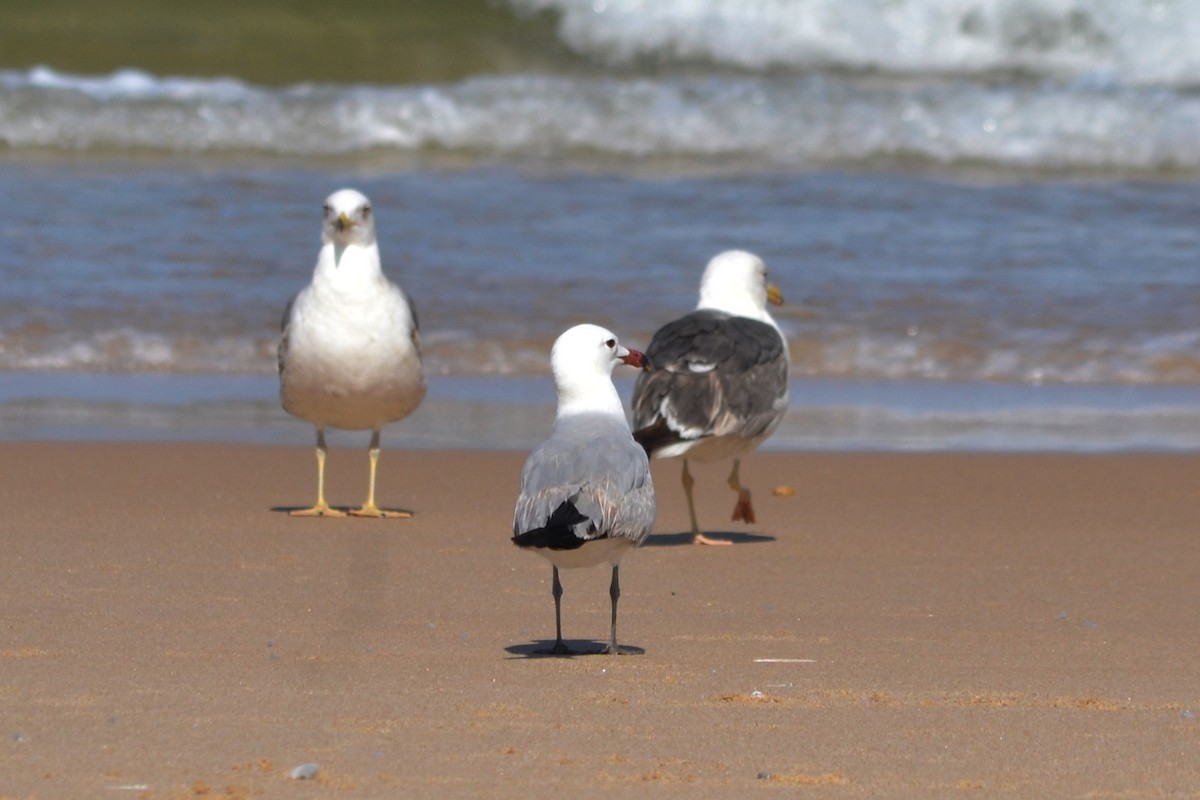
x,y
902,626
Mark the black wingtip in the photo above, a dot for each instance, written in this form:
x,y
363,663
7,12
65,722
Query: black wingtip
x,y
656,436
559,531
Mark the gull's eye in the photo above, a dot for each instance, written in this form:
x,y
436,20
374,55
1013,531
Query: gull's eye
x,y
610,344
366,212
327,210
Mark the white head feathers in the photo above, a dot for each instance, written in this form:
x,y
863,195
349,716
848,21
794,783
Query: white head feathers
x,y
736,282
582,359
348,219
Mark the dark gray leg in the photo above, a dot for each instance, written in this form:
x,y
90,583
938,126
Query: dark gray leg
x,y
560,647
614,592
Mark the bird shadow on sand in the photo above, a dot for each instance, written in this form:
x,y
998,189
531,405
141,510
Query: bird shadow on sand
x,y
685,538
579,647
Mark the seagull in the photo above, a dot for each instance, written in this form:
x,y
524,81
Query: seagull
x,y
720,382
586,493
350,355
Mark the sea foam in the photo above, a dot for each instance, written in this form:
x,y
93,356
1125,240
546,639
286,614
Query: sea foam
x,y
805,121
1135,43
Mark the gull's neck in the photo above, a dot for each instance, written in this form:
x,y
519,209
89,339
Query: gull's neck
x,y
587,394
741,305
345,264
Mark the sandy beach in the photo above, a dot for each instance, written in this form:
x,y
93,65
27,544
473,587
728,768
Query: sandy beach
x,y
902,626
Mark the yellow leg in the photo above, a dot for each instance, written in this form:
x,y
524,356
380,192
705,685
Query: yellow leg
x,y
697,536
321,509
688,482
369,509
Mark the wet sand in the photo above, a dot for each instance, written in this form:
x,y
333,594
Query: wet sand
x,y
902,626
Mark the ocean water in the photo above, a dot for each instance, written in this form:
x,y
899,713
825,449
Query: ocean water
x,y
983,216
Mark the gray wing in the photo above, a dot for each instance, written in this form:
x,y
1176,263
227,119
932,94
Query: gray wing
x,y
412,310
399,295
597,467
714,375
284,323
415,336
286,319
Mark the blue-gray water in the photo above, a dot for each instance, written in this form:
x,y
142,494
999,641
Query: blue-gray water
x,y
984,220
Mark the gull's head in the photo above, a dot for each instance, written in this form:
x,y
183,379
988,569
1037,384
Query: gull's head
x,y
585,352
737,282
348,219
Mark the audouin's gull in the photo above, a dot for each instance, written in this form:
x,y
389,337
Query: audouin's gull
x,y
720,380
350,354
586,493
